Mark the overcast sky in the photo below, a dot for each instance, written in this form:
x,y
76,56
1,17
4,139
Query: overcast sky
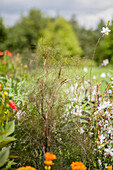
x,y
88,12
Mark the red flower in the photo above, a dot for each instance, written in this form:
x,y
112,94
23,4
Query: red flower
x,y
1,53
12,105
8,53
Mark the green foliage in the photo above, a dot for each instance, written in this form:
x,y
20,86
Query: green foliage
x,y
45,120
7,125
60,36
5,134
3,35
87,38
105,50
6,65
24,34
45,125
4,154
5,139
67,38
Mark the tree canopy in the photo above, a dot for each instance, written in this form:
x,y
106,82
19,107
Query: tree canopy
x,y
60,35
3,34
67,37
26,31
105,48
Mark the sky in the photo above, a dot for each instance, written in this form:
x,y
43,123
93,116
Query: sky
x,y
87,12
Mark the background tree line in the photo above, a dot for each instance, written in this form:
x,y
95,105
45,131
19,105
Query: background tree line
x,y
65,36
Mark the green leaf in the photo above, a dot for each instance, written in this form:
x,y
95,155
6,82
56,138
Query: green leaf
x,y
10,127
5,141
7,117
1,129
4,154
10,163
13,157
3,133
84,121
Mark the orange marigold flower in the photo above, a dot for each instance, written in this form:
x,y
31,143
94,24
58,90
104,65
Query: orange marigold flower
x,y
8,53
48,162
25,66
78,166
1,53
109,167
10,75
26,168
49,156
12,105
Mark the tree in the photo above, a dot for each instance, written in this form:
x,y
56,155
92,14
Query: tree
x,y
105,48
87,38
60,36
3,35
24,34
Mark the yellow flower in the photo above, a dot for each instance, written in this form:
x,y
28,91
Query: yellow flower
x,y
47,167
5,93
48,162
26,168
78,166
109,167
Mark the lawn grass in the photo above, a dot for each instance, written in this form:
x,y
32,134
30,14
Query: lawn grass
x,y
74,72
